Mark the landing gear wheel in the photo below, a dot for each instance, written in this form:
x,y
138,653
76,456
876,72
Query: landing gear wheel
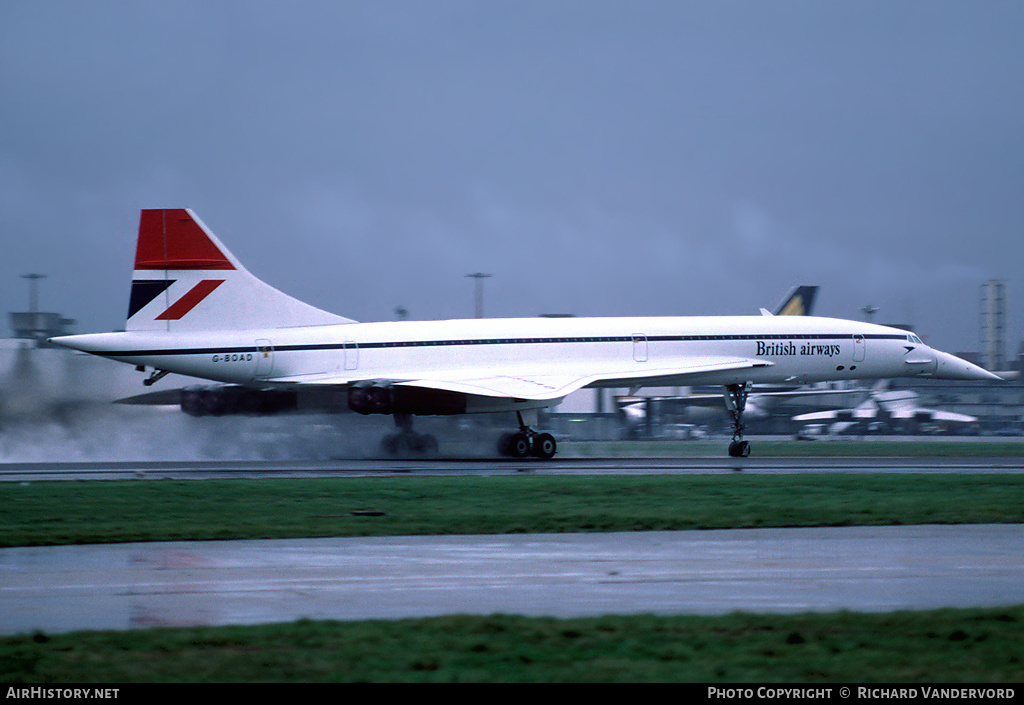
x,y
544,446
519,445
429,447
407,445
504,444
739,449
524,445
391,445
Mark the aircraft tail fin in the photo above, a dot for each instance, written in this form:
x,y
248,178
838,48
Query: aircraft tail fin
x,y
186,280
799,302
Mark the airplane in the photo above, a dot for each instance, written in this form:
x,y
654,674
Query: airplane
x,y
798,302
896,407
195,310
707,408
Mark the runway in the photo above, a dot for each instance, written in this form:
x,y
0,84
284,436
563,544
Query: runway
x,y
125,586
351,467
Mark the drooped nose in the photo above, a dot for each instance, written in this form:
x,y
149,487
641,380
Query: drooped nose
x,y
952,367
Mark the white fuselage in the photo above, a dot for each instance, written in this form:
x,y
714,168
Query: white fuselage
x,y
797,349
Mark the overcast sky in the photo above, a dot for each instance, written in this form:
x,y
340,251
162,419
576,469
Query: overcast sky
x,y
597,158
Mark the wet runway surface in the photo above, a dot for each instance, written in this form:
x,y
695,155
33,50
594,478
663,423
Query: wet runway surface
x,y
122,586
210,469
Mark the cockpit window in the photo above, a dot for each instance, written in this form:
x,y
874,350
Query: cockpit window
x,y
914,339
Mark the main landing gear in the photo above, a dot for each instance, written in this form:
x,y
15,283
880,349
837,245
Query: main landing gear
x,y
526,442
735,402
406,442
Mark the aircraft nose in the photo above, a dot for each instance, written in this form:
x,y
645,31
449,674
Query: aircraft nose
x,y
952,367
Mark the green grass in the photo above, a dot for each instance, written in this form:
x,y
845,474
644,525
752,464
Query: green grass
x,y
771,448
973,645
976,646
46,513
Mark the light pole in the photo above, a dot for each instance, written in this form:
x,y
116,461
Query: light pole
x,y
479,276
33,291
33,303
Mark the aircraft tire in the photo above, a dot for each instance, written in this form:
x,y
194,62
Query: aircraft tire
x,y
408,445
504,443
519,445
739,449
428,445
389,445
544,446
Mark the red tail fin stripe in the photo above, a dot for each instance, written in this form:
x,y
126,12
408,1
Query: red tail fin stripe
x,y
184,264
169,238
190,300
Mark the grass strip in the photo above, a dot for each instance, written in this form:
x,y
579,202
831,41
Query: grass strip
x,y
972,645
49,513
842,447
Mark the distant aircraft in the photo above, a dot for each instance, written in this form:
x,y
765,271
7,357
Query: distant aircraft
x,y
890,408
195,310
762,402
798,302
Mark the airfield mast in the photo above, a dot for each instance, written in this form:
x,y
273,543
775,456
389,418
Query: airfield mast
x,y
993,322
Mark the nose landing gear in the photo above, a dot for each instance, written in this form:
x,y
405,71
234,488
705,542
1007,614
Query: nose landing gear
x,y
735,403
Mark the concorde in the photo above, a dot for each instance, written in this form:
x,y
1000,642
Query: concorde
x,y
195,310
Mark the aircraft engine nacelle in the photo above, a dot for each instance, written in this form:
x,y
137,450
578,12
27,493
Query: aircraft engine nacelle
x,y
383,398
225,401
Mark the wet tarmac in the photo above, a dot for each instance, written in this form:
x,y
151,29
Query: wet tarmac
x,y
349,467
125,586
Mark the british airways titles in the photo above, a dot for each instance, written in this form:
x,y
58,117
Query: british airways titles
x,y
791,348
